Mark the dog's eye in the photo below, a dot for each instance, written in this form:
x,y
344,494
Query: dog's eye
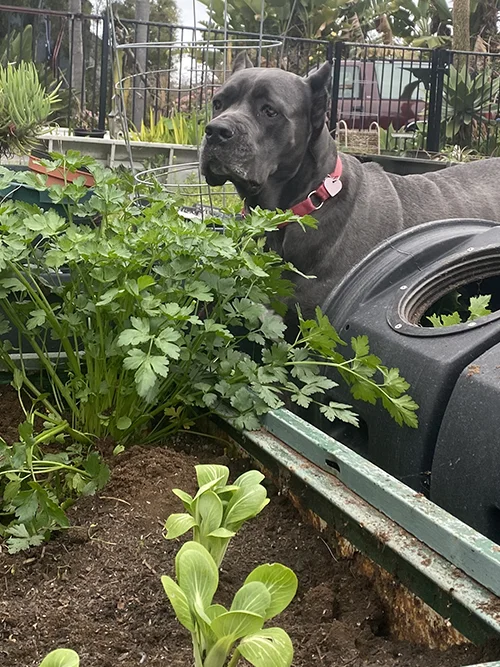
x,y
269,111
217,105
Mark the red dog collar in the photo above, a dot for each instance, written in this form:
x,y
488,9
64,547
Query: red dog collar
x,y
330,187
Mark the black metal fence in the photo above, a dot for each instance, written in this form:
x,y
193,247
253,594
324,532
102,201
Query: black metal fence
x,y
417,99
69,51
402,99
168,68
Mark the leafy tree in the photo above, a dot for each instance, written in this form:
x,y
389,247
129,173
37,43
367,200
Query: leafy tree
x,y
484,22
160,11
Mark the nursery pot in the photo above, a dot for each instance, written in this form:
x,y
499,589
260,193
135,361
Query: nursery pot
x,y
83,132
30,195
385,297
60,176
49,281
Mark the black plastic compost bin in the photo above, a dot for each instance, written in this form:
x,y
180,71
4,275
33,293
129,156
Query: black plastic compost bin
x,y
385,297
466,465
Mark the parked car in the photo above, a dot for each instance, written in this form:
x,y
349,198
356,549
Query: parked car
x,y
386,92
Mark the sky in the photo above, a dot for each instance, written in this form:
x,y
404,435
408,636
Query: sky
x,y
186,11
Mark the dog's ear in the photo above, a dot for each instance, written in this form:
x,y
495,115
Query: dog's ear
x,y
242,61
319,82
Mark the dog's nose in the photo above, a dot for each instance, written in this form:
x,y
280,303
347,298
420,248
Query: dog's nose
x,y
218,132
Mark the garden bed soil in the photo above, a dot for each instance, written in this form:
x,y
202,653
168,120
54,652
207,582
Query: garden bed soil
x,y
96,587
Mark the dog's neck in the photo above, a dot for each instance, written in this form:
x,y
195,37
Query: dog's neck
x,y
318,161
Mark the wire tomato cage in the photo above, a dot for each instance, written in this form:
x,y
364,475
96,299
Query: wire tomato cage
x,y
193,70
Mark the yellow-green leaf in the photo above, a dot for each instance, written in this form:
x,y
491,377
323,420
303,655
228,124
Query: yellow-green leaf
x,y
178,524
253,597
280,581
236,624
268,648
179,602
61,657
197,574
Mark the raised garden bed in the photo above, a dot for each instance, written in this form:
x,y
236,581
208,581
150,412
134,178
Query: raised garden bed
x,y
96,588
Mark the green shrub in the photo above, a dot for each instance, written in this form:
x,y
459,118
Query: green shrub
x,y
24,107
147,312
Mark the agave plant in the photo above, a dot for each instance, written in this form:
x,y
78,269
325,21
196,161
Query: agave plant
x,y
24,107
470,105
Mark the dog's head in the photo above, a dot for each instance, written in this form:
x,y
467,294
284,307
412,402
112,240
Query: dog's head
x,y
263,122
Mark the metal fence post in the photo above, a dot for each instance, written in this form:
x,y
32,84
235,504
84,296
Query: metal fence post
x,y
337,55
103,86
439,62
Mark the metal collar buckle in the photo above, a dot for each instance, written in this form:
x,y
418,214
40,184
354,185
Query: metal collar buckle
x,y
318,206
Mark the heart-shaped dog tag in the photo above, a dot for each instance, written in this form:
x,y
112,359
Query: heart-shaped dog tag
x,y
332,186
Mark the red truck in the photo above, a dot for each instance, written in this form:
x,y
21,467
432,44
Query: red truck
x,y
385,92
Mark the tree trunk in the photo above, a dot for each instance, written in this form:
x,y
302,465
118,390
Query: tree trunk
x,y
76,54
142,11
461,25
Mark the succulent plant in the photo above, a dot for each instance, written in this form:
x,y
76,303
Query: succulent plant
x,y
24,107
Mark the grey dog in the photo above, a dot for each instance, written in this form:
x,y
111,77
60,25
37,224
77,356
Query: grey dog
x,y
269,137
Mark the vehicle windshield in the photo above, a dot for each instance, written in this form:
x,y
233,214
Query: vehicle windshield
x,y
396,80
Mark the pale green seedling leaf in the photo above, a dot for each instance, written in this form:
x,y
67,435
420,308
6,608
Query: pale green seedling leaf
x,y
249,478
253,597
215,610
222,533
280,581
179,602
205,474
226,492
61,657
236,624
185,497
210,510
246,503
178,524
268,648
217,655
197,575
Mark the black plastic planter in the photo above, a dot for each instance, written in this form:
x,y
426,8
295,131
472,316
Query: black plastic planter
x,y
385,297
82,132
404,166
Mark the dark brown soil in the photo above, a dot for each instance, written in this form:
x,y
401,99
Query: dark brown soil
x,y
96,588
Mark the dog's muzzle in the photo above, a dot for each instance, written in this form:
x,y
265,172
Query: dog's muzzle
x,y
228,154
218,132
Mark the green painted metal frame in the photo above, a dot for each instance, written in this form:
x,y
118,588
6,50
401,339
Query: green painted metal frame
x,y
461,545
295,453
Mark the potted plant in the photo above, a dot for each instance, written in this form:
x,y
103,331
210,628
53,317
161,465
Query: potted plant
x,y
20,123
86,129
59,171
